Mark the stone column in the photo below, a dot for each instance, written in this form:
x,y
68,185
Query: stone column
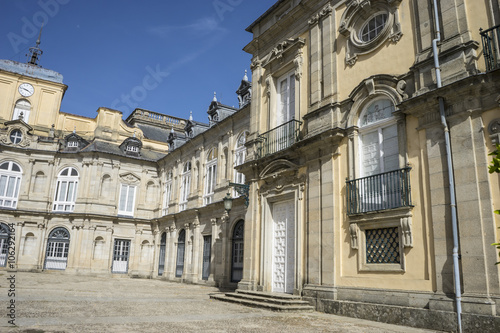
x,y
475,214
251,241
196,249
213,221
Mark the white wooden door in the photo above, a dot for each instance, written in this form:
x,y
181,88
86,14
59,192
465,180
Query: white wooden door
x,y
120,256
283,264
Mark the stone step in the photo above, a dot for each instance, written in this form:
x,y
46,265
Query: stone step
x,y
269,301
269,294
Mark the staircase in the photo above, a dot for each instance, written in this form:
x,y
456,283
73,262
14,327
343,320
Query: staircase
x,y
270,301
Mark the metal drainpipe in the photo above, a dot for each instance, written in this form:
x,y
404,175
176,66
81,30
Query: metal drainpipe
x,y
456,270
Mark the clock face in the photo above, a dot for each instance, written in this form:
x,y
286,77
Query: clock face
x,y
26,89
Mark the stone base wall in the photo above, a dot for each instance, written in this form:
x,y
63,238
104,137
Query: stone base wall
x,y
407,316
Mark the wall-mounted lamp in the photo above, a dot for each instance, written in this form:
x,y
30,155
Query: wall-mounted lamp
x,y
228,202
242,190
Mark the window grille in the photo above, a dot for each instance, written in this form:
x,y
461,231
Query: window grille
x,y
382,246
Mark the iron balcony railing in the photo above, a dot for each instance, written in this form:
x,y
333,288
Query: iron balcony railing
x,y
379,192
279,138
491,50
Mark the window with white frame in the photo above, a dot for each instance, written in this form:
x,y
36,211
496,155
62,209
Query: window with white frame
x,y
72,144
286,99
67,185
239,158
127,200
210,177
10,180
379,146
185,186
22,110
373,27
133,149
167,194
379,155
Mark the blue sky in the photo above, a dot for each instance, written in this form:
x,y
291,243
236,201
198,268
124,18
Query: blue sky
x,y
165,56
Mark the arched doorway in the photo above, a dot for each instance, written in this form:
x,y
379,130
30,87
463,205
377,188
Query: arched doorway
x,y
181,243
237,252
56,256
4,244
161,262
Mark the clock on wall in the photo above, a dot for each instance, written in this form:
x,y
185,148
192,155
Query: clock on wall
x,y
26,89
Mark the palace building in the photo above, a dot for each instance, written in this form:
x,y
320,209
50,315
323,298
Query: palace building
x,y
356,168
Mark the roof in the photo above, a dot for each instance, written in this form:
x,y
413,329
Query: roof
x,y
30,70
154,133
263,16
110,148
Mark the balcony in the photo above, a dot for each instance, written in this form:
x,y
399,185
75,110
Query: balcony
x,y
491,43
379,192
279,138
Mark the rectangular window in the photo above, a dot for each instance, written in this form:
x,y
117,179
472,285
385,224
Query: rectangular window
x,y
185,190
286,99
210,181
166,197
65,196
382,246
9,190
127,200
207,246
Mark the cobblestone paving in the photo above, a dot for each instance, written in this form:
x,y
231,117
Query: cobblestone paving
x,y
59,302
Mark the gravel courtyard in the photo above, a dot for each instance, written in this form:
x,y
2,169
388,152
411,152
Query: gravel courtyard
x,y
58,302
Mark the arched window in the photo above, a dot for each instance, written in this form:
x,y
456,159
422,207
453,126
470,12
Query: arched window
x,y
240,152
67,185
380,184
210,177
378,138
10,180
161,259
4,244
237,252
57,249
22,110
185,186
181,242
167,194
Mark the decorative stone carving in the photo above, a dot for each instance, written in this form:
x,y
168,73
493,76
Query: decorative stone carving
x,y
269,80
324,12
353,230
298,61
406,232
129,178
354,19
494,131
279,50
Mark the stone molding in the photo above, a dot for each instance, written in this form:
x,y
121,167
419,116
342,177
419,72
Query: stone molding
x,y
355,16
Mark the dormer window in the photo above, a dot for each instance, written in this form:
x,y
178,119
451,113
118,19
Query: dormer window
x,y
131,146
72,144
133,149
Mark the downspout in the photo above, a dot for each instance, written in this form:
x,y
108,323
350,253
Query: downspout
x,y
456,270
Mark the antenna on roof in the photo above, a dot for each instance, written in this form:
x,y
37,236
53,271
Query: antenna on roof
x,y
35,52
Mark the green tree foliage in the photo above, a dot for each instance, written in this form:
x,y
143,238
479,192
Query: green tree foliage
x,y
494,167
